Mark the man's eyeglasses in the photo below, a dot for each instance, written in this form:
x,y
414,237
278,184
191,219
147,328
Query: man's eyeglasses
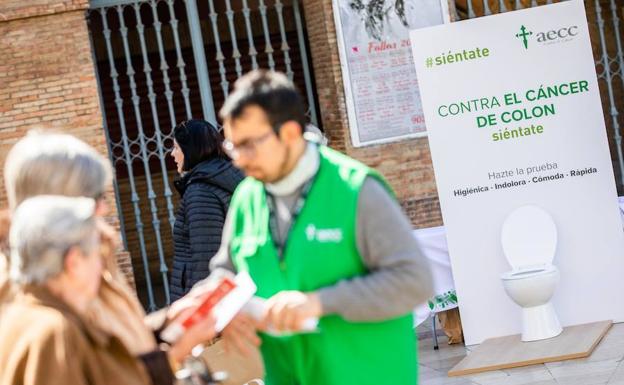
x,y
247,147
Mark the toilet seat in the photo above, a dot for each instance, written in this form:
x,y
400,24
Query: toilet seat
x,y
529,272
529,240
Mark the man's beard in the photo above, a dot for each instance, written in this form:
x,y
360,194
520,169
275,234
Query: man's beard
x,y
282,169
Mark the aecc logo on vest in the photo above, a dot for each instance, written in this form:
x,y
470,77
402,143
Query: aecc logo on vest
x,y
323,235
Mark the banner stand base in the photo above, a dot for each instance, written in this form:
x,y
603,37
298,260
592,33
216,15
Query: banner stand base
x,y
577,341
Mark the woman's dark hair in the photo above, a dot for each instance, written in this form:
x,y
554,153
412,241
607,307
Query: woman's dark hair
x,y
199,141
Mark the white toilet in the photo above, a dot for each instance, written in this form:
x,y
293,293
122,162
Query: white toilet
x,y
529,239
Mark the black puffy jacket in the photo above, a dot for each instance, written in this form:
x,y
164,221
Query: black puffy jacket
x,y
206,191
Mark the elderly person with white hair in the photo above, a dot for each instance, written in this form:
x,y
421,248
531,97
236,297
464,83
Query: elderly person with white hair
x,y
60,164
45,333
5,287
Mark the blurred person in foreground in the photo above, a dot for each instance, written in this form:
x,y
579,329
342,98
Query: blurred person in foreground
x,y
47,337
322,236
5,286
60,164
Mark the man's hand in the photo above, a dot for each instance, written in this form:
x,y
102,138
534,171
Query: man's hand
x,y
240,334
287,310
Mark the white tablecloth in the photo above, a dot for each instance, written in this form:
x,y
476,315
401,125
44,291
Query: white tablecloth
x,y
432,242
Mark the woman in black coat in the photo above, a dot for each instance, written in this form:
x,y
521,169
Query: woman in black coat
x,y
207,181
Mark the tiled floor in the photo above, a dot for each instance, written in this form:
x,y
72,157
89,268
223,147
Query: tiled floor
x,y
604,366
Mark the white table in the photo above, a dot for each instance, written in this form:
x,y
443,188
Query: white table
x,y
432,242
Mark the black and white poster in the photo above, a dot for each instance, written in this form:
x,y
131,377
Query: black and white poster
x,y
381,89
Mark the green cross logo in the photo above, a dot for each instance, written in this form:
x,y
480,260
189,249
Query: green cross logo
x,y
523,35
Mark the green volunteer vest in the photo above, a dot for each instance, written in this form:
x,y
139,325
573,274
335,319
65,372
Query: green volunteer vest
x,y
321,251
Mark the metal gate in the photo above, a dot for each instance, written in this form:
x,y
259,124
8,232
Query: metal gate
x,y
163,61
605,29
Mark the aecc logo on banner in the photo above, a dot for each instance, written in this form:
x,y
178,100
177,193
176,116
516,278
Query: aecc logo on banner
x,y
560,35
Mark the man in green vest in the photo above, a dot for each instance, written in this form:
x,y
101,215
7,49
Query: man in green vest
x,y
323,237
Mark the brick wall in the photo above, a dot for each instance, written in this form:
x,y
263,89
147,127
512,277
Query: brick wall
x,y
20,9
47,79
406,164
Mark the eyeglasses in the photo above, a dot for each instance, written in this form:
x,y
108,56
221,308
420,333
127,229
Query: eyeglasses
x,y
247,147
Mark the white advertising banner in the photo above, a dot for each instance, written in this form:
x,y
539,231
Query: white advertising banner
x,y
381,91
514,118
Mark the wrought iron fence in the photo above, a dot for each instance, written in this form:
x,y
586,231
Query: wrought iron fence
x,y
163,61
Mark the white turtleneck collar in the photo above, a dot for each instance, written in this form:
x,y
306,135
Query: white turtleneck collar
x,y
306,168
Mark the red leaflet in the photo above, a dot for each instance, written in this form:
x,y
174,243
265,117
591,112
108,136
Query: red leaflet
x,y
209,301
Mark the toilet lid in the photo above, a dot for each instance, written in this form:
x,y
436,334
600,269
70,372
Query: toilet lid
x,y
529,237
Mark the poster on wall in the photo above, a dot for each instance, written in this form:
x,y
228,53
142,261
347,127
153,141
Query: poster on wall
x,y
514,119
381,90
